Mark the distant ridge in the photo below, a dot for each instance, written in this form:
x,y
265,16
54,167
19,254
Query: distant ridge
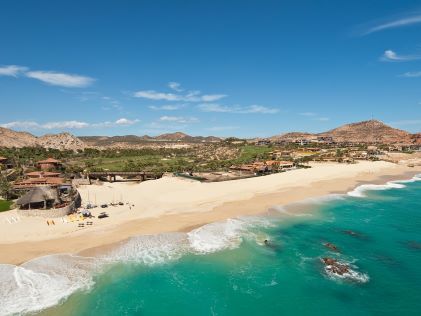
x,y
124,141
372,131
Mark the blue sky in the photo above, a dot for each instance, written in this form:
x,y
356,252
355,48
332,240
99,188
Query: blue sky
x,y
242,68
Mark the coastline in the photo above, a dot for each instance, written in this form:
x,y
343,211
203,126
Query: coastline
x,y
251,198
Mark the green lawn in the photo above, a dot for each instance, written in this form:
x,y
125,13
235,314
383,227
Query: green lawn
x,y
5,205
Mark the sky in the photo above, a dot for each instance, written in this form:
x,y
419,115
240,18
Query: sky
x,y
223,68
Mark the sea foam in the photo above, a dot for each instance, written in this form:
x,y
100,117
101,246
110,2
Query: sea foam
x,y
47,281
43,282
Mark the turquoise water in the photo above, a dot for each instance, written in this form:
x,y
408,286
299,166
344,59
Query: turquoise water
x,y
226,268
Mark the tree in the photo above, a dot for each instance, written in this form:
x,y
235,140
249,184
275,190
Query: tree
x,y
5,188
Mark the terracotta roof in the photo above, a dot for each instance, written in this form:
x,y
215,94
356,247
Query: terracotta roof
x,y
49,160
3,158
40,181
43,174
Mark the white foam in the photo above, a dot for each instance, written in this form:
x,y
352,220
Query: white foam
x,y
150,250
360,190
43,282
351,275
47,281
216,236
227,234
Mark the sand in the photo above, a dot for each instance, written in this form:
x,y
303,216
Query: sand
x,y
174,204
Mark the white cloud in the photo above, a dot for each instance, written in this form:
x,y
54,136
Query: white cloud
x,y
12,70
322,119
175,86
126,122
256,109
410,74
167,107
21,125
390,55
61,79
189,96
403,21
27,125
64,125
179,119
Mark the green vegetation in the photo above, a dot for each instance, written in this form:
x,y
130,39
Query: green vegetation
x,y
5,205
208,157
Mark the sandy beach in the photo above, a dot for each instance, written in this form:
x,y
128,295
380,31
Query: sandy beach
x,y
174,204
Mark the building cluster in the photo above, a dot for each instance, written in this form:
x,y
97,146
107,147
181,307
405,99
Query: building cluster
x,y
45,191
260,167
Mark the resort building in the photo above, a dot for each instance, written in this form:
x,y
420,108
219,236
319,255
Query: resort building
x,y
49,164
42,178
48,202
38,198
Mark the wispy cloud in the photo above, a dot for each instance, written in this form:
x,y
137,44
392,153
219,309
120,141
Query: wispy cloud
x,y
50,77
322,119
12,70
188,96
192,96
252,109
167,107
126,122
394,23
179,119
66,125
61,79
411,74
390,55
175,86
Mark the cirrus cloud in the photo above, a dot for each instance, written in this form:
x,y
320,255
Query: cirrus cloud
x,y
12,70
252,109
66,125
390,55
61,79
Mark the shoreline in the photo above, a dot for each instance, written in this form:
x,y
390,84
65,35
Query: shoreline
x,y
92,242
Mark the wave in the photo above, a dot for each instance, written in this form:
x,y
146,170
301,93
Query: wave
x,y
43,282
395,184
47,281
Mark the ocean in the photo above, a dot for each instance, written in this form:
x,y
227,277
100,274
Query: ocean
x,y
227,268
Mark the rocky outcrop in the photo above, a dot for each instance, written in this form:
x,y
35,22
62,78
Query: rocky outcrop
x,y
63,141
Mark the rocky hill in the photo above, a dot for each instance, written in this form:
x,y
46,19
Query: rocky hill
x,y
9,138
368,131
63,141
372,131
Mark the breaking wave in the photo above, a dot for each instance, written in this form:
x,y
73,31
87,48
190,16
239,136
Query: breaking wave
x,y
397,184
48,281
43,282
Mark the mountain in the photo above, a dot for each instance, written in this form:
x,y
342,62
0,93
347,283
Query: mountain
x,y
133,140
372,131
10,138
63,141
